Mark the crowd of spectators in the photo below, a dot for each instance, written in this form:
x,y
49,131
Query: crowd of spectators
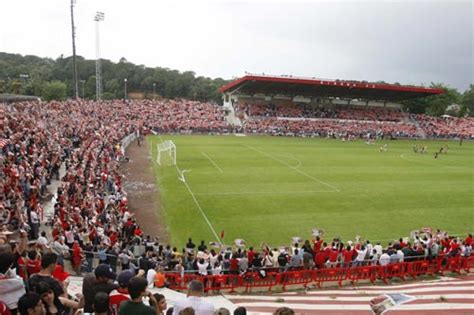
x,y
341,121
329,128
446,127
92,227
310,111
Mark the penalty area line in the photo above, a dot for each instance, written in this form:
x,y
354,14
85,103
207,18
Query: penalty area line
x,y
293,168
212,162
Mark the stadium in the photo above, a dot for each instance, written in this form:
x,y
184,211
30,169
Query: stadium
x,y
264,194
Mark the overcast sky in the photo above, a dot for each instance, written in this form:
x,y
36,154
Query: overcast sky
x,y
395,41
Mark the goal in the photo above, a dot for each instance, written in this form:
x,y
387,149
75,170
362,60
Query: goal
x,y
166,153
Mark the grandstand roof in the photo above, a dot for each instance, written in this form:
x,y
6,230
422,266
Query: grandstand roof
x,y
312,87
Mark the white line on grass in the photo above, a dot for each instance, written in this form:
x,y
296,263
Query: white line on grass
x,y
212,161
198,205
266,192
293,168
181,174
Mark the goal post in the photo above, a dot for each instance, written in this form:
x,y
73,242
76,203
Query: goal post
x,y
166,148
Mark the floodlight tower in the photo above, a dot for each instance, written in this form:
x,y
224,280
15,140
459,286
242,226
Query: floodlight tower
x,y
74,67
98,68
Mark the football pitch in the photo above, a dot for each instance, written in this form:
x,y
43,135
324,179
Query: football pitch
x,y
270,189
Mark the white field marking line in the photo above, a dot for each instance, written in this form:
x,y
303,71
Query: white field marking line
x,y
212,161
306,298
294,159
195,200
266,192
197,203
293,168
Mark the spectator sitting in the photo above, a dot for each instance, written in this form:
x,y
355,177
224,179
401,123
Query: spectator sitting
x,y
31,304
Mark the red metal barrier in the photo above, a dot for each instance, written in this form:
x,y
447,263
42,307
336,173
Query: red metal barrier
x,y
297,277
423,267
176,282
391,271
215,283
454,264
255,280
223,282
330,275
363,273
467,263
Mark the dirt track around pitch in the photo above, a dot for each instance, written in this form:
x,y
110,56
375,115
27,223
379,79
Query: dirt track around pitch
x,y
142,193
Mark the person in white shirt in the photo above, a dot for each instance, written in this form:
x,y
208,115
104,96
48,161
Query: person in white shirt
x,y
35,223
194,300
360,256
202,266
42,242
384,259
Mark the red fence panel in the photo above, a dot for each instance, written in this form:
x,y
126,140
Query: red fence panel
x,y
422,267
453,264
176,282
330,275
255,280
391,271
297,277
363,273
223,282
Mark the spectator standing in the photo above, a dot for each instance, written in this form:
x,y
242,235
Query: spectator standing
x,y
194,300
137,290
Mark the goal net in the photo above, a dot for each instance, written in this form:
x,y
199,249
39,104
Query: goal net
x,y
166,153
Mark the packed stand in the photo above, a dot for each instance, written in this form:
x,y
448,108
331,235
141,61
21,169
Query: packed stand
x,y
309,111
446,127
330,128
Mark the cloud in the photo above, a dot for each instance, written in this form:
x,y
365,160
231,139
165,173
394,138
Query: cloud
x,y
396,41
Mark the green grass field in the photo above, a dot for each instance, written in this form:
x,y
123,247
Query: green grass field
x,y
273,188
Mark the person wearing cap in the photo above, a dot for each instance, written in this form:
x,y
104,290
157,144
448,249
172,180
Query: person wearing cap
x,y
31,304
120,294
99,281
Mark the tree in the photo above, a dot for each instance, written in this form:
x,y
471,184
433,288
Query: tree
x,y
467,102
55,90
437,104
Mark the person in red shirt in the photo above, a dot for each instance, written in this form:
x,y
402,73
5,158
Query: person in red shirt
x,y
469,240
76,257
250,256
333,255
22,270
138,231
320,259
317,243
121,293
348,256
34,263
